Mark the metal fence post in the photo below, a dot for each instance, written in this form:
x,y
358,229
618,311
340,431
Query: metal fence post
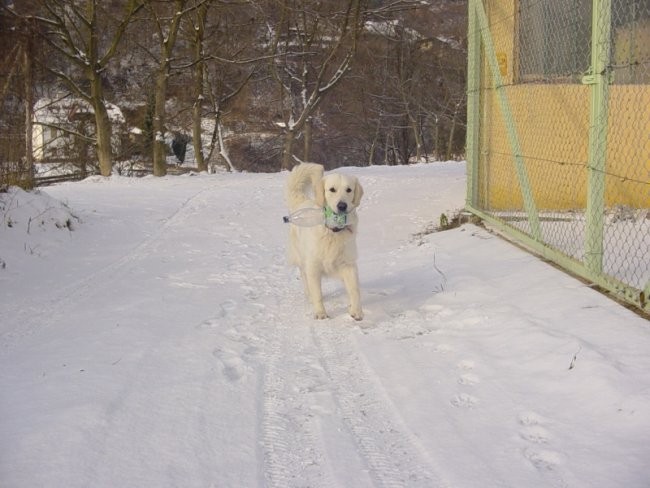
x,y
579,169
508,118
473,107
599,79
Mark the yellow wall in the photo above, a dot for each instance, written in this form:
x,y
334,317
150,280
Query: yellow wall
x,y
552,122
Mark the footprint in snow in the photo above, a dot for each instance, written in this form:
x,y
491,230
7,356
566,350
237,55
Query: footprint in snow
x,y
209,324
234,366
532,429
464,400
466,365
224,310
444,348
530,418
468,379
533,432
543,460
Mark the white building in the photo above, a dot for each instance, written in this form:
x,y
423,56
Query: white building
x,y
57,120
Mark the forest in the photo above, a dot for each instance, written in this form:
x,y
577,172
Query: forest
x,y
149,86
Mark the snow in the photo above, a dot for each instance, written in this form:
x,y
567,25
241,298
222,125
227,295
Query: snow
x,y
160,340
60,109
392,28
452,42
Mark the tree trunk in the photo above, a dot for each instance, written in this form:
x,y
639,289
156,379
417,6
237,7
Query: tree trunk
x,y
450,143
436,139
81,144
104,150
29,112
223,150
167,48
404,144
201,163
158,143
287,153
418,138
307,134
103,127
214,138
375,142
199,75
386,148
371,151
102,121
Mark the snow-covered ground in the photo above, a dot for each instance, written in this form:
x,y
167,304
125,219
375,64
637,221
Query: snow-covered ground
x,y
156,338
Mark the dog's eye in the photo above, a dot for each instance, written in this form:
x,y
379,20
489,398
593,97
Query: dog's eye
x,y
333,190
349,190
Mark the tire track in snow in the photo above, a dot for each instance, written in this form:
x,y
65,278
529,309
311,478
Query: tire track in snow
x,y
27,320
314,379
293,452
393,454
291,447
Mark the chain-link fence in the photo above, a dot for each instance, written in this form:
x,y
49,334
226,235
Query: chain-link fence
x,y
558,140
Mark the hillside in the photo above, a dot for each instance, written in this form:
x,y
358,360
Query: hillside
x,y
400,96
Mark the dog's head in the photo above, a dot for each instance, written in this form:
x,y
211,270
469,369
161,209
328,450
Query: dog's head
x,y
341,193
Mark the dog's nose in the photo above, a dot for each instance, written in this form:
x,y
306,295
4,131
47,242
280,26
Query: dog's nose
x,y
342,206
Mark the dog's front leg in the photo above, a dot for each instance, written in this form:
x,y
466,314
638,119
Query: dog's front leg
x,y
313,278
350,277
305,283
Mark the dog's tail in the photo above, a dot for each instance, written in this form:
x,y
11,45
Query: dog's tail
x,y
302,183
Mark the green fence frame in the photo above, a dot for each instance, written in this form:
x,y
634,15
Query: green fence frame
x,y
480,42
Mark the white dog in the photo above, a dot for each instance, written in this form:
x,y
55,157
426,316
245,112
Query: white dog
x,y
327,249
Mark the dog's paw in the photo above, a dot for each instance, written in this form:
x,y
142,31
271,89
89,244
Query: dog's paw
x,y
321,315
356,314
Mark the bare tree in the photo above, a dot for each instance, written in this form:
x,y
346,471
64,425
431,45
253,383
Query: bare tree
x,y
223,64
87,41
313,46
167,21
198,58
261,70
412,87
28,73
16,92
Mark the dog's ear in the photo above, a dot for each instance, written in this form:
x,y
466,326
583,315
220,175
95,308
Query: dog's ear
x,y
358,193
319,193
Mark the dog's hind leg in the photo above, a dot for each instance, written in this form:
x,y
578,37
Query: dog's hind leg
x,y
350,277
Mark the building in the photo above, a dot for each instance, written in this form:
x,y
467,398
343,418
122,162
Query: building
x,y
558,139
64,127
